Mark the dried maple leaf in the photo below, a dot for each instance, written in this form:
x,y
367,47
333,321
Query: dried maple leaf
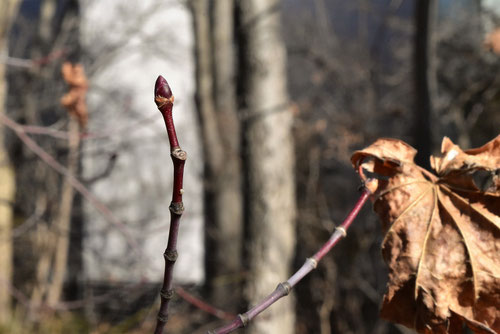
x,y
442,234
492,41
74,100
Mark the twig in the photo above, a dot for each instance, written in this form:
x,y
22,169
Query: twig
x,y
76,106
310,264
103,134
52,262
28,304
202,305
45,130
84,191
165,100
30,63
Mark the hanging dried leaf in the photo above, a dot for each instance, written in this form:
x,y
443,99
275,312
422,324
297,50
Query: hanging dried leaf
x,y
442,235
492,41
74,100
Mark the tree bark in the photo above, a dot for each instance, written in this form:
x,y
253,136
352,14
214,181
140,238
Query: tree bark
x,y
204,84
228,191
269,160
53,239
52,236
63,220
216,102
8,10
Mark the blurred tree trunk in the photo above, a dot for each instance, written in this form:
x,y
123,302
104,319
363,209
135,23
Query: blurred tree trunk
x,y
57,29
62,222
8,10
229,198
216,102
47,235
269,160
425,78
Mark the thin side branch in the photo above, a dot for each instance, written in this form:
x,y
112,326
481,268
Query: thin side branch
x,y
200,304
102,134
76,106
165,100
73,180
309,265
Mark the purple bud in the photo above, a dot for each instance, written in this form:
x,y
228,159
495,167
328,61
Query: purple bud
x,y
162,89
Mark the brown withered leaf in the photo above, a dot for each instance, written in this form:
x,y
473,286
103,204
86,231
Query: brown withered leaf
x,y
492,41
442,234
74,100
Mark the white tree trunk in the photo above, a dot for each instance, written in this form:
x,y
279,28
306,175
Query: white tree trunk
x,y
270,162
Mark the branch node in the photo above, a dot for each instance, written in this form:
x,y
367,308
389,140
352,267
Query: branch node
x,y
312,261
162,318
342,230
170,255
285,287
177,208
167,294
179,154
244,319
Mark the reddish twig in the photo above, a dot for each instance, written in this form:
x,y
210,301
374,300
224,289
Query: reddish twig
x,y
309,265
202,305
165,100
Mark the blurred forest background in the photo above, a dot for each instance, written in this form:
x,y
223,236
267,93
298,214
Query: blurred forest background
x,y
272,97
